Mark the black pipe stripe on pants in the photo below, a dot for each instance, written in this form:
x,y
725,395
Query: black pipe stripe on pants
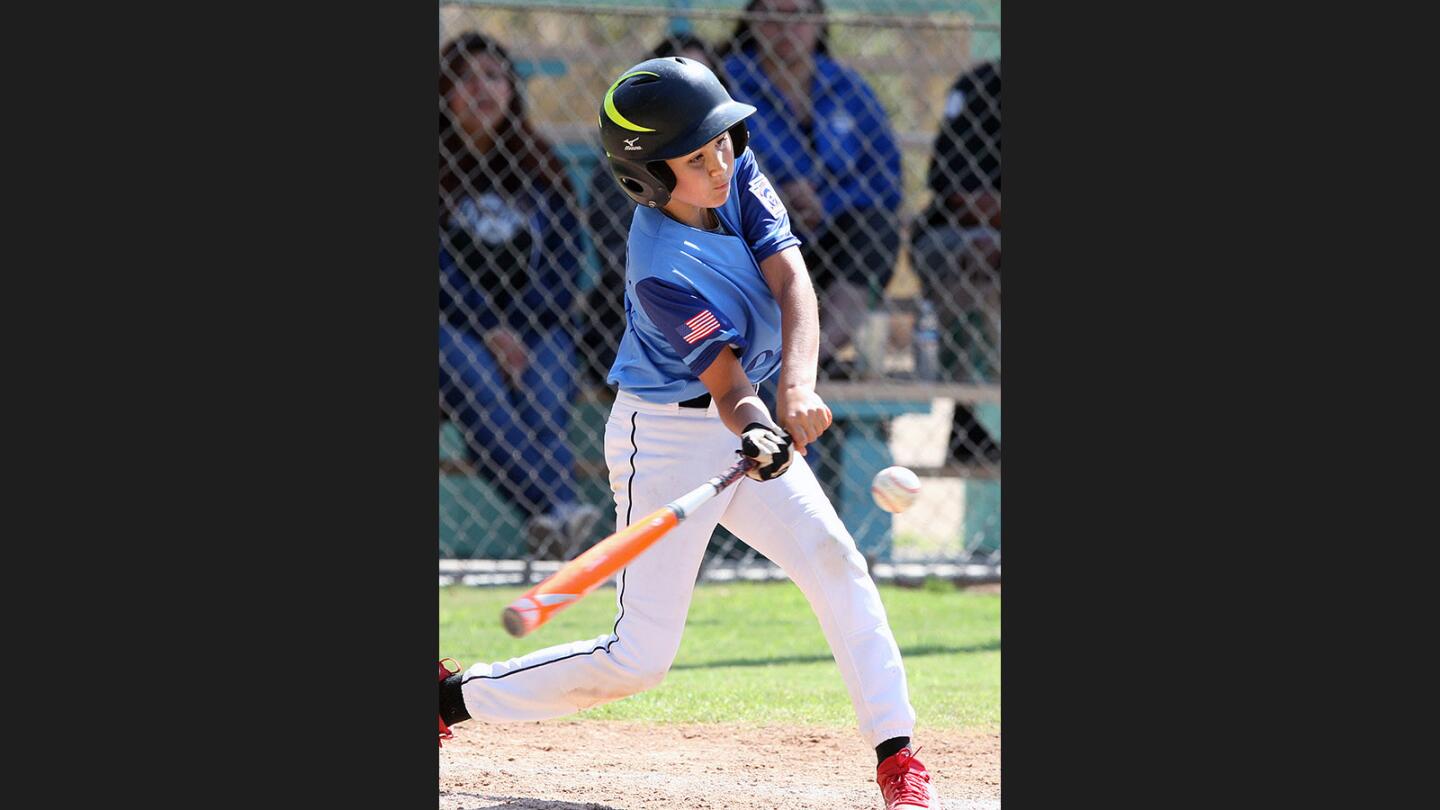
x,y
615,631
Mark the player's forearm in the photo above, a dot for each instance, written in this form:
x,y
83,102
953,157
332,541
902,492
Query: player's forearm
x,y
734,394
800,328
799,317
741,408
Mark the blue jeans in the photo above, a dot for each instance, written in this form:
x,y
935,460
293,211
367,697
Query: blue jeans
x,y
517,436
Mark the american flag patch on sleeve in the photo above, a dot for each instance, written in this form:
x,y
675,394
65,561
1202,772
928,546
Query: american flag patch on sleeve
x,y
701,325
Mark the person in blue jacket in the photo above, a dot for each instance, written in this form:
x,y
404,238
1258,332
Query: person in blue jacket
x,y
829,148
509,270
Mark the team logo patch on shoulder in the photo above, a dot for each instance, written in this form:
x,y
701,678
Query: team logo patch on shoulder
x,y
765,193
701,325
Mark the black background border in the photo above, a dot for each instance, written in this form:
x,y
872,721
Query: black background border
x,y
276,340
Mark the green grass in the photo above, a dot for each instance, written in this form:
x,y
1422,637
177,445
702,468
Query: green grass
x,y
754,653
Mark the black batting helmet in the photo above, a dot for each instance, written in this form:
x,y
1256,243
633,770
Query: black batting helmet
x,y
661,109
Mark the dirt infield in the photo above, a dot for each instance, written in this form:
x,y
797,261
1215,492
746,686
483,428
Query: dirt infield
x,y
593,765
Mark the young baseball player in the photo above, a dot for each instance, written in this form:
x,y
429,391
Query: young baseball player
x,y
717,300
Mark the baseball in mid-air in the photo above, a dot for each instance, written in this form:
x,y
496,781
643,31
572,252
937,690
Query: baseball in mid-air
x,y
895,489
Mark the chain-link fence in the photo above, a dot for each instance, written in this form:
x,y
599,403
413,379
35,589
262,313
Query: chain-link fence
x,y
878,125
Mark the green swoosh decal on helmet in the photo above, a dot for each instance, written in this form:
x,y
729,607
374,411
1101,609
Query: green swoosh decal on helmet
x,y
610,103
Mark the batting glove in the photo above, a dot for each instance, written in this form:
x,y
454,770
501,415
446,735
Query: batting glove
x,y
769,447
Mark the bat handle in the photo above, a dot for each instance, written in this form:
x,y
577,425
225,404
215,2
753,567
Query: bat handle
x,y
730,476
694,499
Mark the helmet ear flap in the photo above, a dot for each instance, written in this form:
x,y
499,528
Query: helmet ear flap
x,y
642,186
662,172
739,137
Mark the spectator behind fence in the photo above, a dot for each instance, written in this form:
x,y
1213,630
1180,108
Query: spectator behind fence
x,y
608,216
955,248
508,271
827,144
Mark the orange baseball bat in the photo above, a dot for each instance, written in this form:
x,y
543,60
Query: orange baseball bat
x,y
600,562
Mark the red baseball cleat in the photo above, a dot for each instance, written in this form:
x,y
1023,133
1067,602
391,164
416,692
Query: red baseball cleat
x,y
904,782
445,673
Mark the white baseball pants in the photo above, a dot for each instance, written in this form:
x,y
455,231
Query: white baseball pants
x,y
655,454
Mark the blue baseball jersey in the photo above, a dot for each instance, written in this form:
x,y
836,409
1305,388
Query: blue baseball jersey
x,y
690,294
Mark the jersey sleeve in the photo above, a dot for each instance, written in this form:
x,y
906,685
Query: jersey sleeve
x,y
763,219
696,330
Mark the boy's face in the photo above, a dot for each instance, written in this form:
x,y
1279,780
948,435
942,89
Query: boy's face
x,y
702,178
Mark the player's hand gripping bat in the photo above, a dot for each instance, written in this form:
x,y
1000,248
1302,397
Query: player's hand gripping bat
x,y
600,562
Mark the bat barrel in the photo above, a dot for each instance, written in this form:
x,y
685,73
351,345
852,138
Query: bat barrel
x,y
584,573
600,562
515,623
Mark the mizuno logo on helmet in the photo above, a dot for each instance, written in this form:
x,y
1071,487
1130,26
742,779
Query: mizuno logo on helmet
x,y
614,114
630,144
